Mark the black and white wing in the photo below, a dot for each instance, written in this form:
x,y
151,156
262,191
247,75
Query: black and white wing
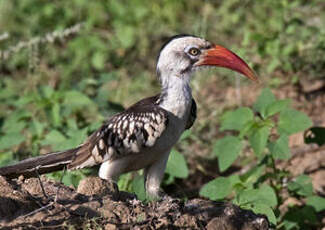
x,y
128,132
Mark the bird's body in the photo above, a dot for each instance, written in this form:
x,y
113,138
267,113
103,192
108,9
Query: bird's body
x,y
143,135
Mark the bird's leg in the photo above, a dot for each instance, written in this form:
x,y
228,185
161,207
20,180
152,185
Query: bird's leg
x,y
109,171
153,175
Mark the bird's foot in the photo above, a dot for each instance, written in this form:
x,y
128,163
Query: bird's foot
x,y
156,195
161,196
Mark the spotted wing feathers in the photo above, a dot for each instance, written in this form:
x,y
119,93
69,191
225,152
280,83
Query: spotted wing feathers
x,y
126,133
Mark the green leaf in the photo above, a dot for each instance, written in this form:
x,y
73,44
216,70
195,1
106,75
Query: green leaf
x,y
265,194
55,139
317,202
76,137
72,178
176,165
10,124
17,127
6,158
253,174
6,93
76,99
59,142
234,179
47,91
108,77
216,189
260,208
276,107
292,121
55,112
273,64
98,60
258,139
301,185
259,200
37,127
11,139
265,99
236,120
126,35
246,129
227,150
289,224
186,134
280,148
124,181
138,187
22,101
72,124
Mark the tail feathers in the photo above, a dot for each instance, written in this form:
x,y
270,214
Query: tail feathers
x,y
83,158
47,163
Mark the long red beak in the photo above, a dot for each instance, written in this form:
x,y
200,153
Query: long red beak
x,y
222,57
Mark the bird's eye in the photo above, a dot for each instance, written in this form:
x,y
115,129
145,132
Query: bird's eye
x,y
194,51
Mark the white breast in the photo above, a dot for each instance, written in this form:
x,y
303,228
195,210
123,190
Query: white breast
x,y
177,101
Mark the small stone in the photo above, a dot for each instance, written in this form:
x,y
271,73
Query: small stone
x,y
218,223
110,227
91,186
21,179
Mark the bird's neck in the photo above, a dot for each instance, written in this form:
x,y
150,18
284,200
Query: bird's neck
x,y
176,96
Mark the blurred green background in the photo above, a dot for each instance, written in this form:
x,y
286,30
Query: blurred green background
x,y
67,65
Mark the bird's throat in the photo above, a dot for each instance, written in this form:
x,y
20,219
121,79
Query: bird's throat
x,y
176,96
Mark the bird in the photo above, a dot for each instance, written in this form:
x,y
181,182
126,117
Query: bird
x,y
142,136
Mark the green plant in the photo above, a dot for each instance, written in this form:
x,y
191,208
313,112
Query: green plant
x,y
261,189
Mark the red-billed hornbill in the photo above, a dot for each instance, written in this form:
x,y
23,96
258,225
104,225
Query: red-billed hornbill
x,y
142,136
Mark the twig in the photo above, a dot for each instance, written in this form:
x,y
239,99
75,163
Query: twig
x,y
47,38
41,184
45,195
39,209
57,192
4,36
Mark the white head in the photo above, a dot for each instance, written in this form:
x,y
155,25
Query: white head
x,y
183,54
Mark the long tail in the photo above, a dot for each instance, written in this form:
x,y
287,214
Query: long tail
x,y
39,165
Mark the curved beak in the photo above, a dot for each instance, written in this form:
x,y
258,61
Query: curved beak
x,y
222,57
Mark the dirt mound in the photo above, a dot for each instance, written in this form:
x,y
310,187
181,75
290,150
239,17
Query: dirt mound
x,y
97,203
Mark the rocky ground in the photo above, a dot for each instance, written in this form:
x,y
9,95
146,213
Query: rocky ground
x,y
97,204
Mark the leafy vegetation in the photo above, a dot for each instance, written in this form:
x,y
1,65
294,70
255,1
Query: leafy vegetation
x,y
261,189
67,65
